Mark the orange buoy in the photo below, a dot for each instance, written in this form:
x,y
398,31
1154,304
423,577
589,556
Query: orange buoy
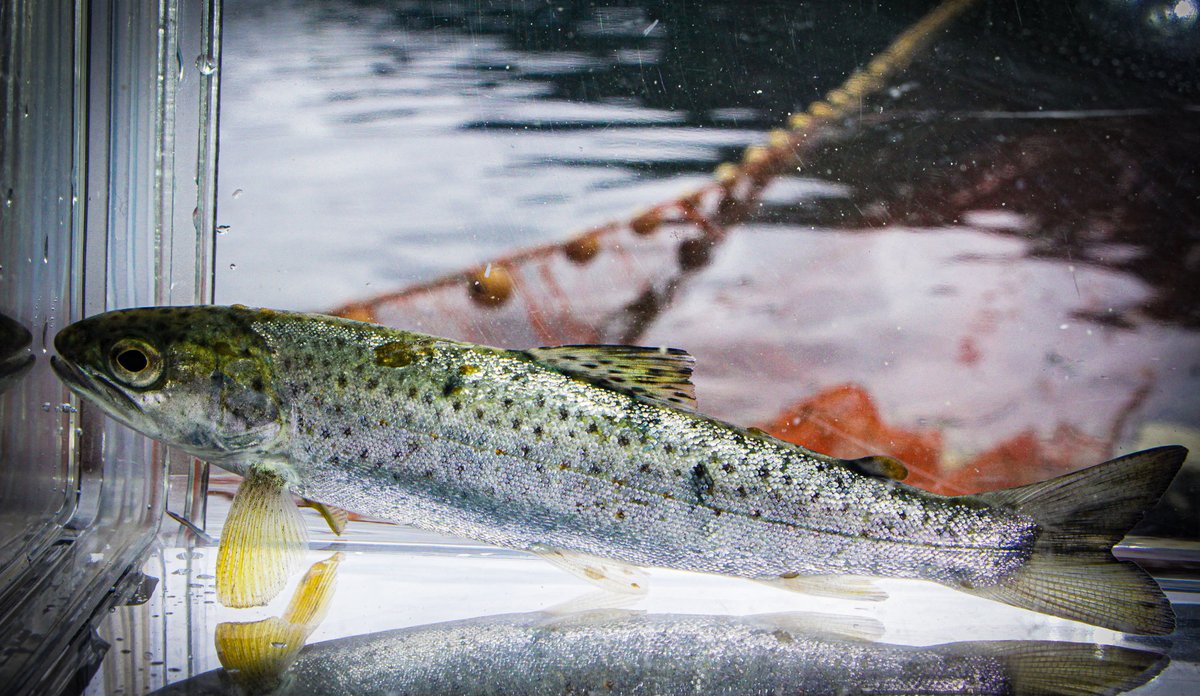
x,y
647,222
583,248
490,286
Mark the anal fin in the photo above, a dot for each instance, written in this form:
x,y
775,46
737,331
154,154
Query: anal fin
x,y
262,543
613,576
839,586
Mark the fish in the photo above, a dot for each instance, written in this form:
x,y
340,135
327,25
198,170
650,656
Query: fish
x,y
593,457
616,651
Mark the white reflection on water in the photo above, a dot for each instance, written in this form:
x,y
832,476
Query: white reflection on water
x,y
370,157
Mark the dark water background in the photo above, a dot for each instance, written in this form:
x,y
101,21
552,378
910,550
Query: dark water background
x,y
1003,243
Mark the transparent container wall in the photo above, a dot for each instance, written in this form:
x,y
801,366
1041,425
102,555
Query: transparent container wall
x,y
92,149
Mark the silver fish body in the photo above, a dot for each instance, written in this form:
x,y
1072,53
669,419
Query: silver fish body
x,y
496,446
530,450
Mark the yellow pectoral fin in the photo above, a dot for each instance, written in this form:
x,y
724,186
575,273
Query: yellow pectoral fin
x,y
257,653
262,543
311,601
336,518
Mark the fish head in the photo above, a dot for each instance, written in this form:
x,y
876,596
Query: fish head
x,y
198,378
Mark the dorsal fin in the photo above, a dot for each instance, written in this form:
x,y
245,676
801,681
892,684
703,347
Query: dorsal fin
x,y
880,466
657,375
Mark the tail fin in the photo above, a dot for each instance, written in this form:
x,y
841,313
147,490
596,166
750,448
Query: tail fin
x,y
1075,669
1072,572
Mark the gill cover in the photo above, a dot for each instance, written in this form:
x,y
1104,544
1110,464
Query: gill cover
x,y
195,377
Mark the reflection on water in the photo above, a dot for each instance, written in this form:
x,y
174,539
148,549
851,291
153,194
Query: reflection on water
x,y
15,358
629,652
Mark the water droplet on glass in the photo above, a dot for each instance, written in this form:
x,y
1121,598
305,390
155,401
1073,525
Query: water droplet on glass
x,y
222,229
277,644
233,266
180,571
237,193
205,64
46,406
68,408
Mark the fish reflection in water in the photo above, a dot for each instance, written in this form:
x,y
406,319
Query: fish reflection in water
x,y
15,360
615,651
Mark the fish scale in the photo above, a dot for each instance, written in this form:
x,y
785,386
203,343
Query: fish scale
x,y
587,455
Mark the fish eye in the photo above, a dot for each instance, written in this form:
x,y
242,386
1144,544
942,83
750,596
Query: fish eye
x,y
135,362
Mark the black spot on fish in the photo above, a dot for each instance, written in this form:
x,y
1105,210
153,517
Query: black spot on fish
x,y
516,423
595,469
728,468
507,402
619,514
702,482
479,413
325,434
764,471
363,454
563,414
412,392
593,428
622,441
342,381
644,468
452,386
540,401
256,384
346,432
756,514
456,405
669,448
538,430
372,384
741,491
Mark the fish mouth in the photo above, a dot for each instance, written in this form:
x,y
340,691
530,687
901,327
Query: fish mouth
x,y
97,388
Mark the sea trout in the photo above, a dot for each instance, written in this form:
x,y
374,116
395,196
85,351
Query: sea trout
x,y
583,453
